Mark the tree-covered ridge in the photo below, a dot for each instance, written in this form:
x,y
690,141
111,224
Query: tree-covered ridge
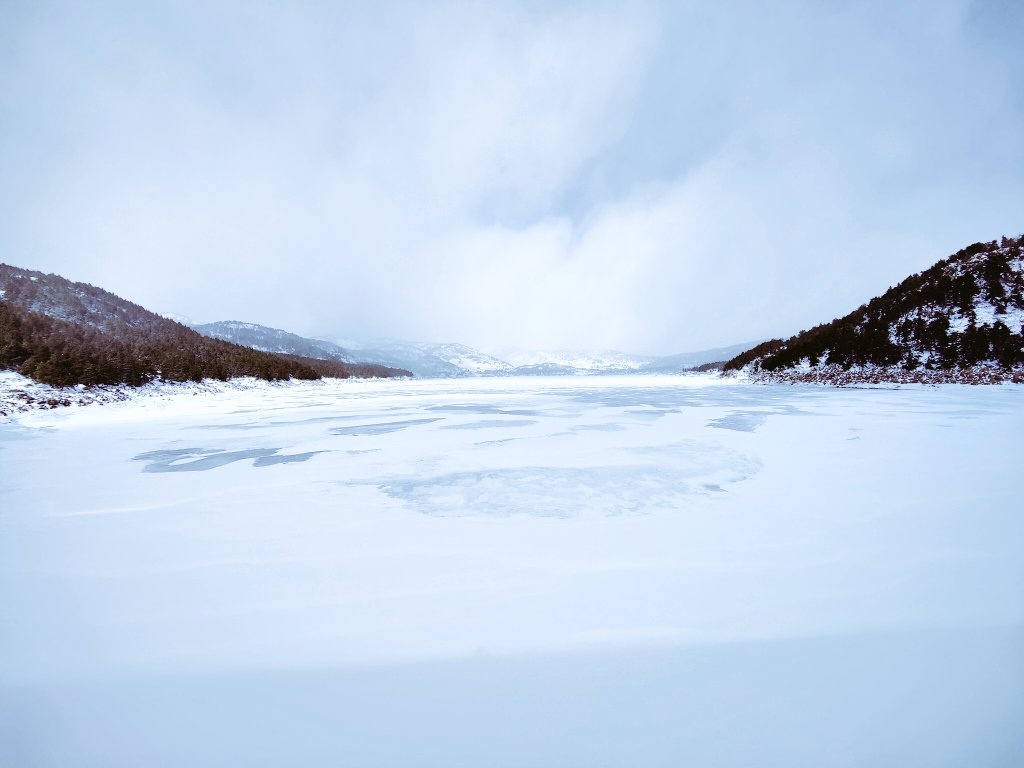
x,y
62,333
964,311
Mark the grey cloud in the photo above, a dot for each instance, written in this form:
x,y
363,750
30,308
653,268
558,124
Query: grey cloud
x,y
650,177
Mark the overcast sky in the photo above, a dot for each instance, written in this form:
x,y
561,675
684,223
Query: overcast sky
x,y
646,177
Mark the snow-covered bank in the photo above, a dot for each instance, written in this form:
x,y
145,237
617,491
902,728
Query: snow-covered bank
x,y
838,376
634,571
20,394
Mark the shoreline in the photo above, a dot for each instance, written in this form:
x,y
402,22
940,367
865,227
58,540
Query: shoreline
x,y
21,395
834,375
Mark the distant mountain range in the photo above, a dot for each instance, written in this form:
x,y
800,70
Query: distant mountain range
x,y
453,360
62,333
961,320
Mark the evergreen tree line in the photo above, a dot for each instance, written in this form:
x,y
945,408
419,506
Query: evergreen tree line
x,y
914,318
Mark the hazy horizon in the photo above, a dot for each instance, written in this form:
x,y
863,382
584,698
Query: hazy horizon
x,y
510,354
652,178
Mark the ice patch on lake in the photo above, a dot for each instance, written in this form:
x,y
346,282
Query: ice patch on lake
x,y
204,459
742,421
382,428
570,491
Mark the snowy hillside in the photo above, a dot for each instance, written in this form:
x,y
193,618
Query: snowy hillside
x,y
469,361
79,303
274,340
964,316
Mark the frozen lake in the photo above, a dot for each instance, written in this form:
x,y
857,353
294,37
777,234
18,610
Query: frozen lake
x,y
642,571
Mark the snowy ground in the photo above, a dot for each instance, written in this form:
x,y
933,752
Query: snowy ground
x,y
634,571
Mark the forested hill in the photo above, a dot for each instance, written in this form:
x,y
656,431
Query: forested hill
x,y
61,333
963,314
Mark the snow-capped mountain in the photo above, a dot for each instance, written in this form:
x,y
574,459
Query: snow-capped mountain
x,y
450,360
603,361
468,360
613,362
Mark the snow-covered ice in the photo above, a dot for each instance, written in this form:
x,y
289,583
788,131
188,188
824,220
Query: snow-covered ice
x,y
620,571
